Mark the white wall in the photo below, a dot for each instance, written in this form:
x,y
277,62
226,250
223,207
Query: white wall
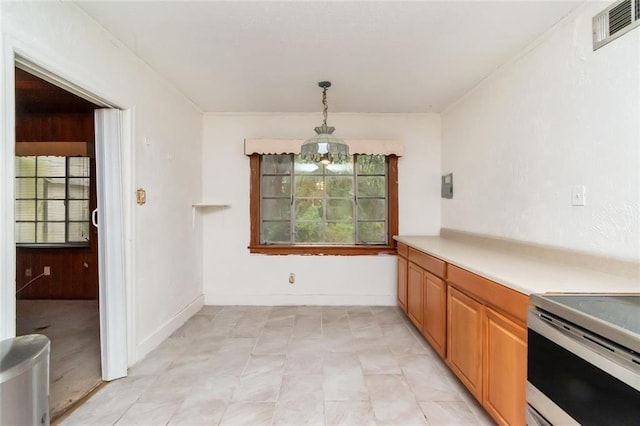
x,y
165,256
233,276
557,116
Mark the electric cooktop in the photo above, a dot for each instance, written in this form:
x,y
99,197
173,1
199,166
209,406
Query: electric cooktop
x,y
613,316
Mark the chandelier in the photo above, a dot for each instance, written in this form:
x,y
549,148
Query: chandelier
x,y
324,147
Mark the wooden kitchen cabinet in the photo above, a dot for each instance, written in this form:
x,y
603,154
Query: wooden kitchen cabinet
x,y
505,368
415,295
465,339
478,326
435,312
402,282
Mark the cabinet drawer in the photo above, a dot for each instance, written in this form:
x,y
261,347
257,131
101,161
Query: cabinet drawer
x,y
426,262
403,250
503,298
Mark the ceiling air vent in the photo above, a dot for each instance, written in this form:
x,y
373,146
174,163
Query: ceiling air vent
x,y
617,19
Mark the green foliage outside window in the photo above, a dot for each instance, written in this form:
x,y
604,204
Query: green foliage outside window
x,y
312,203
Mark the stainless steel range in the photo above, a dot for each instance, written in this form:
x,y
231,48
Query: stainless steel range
x,y
583,359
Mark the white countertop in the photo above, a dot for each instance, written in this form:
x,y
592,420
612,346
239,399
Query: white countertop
x,y
524,273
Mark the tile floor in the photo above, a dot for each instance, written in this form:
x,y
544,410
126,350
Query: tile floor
x,y
305,365
73,326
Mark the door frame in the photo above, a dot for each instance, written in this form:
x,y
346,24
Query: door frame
x,y
61,74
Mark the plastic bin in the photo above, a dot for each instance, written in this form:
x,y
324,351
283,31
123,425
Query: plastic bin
x,y
24,381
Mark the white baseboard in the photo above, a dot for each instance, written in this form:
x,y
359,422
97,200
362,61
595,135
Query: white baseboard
x,y
304,299
165,330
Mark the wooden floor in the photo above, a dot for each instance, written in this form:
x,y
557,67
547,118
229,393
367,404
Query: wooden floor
x,y
73,327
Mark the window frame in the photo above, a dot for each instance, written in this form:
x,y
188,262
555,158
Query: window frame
x,y
255,245
66,244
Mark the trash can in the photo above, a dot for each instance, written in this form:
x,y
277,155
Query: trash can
x,y
24,380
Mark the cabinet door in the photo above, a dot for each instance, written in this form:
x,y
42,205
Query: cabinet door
x,y
435,312
505,369
415,295
402,283
464,339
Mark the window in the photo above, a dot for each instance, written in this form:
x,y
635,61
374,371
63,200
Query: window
x,y
311,208
52,200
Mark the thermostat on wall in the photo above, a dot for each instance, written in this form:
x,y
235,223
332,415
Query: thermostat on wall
x,y
446,189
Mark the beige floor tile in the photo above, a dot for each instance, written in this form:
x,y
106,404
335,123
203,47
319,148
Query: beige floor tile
x,y
143,413
248,414
348,413
301,387
404,412
298,413
299,365
258,387
388,387
448,413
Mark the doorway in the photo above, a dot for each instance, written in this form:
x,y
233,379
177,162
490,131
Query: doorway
x,y
57,284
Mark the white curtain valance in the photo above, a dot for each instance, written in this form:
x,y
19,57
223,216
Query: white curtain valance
x,y
292,146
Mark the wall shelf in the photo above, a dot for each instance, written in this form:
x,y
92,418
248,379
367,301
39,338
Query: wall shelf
x,y
205,205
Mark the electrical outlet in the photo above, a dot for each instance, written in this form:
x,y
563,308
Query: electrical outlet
x,y
27,272
47,270
292,278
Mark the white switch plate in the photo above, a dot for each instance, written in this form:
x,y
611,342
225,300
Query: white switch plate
x,y
577,195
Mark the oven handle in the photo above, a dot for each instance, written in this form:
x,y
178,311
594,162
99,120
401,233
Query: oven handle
x,y
584,349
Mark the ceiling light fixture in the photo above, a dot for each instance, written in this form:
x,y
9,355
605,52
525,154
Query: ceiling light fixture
x,y
324,147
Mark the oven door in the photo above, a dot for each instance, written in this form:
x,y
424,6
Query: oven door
x,y
573,379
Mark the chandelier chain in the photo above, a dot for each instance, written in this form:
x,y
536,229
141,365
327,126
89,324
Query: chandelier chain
x,y
326,106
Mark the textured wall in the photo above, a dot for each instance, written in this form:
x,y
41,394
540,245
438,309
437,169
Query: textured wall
x,y
557,116
163,238
232,275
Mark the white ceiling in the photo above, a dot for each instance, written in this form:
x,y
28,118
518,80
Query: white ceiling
x,y
265,56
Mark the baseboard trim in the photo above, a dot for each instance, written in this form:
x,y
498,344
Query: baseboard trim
x,y
166,329
301,299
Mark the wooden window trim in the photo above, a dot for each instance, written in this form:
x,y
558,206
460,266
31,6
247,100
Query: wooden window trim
x,y
338,250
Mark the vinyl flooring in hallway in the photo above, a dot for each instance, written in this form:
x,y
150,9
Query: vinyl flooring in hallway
x,y
304,365
73,326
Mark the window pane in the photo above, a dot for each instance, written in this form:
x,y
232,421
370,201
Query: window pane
x,y
25,210
276,232
372,232
52,166
52,188
340,233
309,232
79,210
51,210
309,186
78,232
339,186
342,168
25,166
276,164
25,188
25,232
371,164
340,210
374,209
79,166
371,186
79,188
274,209
309,209
50,232
276,186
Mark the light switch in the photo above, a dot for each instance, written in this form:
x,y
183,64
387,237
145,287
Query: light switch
x,y
578,195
